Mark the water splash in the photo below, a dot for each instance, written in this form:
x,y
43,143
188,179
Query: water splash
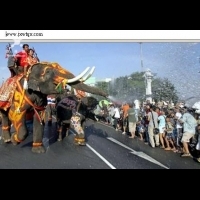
x,y
177,61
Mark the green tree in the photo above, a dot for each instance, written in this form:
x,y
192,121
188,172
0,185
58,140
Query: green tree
x,y
104,86
164,90
133,87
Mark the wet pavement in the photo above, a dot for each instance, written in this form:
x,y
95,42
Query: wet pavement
x,y
105,149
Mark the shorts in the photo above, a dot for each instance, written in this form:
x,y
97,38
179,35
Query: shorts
x,y
125,121
186,137
161,129
132,127
169,136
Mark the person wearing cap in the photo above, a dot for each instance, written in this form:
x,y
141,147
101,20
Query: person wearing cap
x,y
189,129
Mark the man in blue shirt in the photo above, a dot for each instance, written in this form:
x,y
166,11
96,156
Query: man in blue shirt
x,y
189,128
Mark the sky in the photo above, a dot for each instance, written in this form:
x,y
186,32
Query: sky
x,y
177,61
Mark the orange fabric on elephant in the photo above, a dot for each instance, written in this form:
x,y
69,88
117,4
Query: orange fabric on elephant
x,y
7,91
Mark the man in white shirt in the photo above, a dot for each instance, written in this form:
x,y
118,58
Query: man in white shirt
x,y
116,117
179,127
137,107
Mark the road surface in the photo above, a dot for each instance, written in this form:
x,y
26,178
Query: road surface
x,y
105,149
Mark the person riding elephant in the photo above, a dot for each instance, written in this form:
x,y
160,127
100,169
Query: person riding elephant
x,y
20,59
20,63
31,59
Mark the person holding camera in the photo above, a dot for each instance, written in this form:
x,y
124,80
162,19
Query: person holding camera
x,y
153,123
189,129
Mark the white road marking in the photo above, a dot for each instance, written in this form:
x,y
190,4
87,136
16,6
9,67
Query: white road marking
x,y
138,153
101,157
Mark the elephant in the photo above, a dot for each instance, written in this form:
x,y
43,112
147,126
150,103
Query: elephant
x,y
44,78
72,112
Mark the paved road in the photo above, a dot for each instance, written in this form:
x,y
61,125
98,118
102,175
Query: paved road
x,y
105,149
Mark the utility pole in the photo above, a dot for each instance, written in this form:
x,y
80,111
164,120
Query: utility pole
x,y
199,63
141,56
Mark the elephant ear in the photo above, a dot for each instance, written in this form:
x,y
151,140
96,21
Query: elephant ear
x,y
33,85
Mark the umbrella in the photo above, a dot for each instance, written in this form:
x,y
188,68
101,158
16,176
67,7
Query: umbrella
x,y
106,102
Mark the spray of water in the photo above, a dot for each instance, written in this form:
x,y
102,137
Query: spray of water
x,y
177,61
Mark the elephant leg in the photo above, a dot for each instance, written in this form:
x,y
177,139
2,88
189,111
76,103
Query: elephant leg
x,y
38,133
59,131
6,125
49,114
67,129
21,131
79,139
63,128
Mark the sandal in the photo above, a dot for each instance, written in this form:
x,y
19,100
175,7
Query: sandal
x,y
186,155
167,149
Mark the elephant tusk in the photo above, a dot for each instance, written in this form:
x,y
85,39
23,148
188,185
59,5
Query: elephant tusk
x,y
79,76
89,75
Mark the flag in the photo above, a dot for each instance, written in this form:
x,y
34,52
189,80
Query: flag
x,y
8,51
7,54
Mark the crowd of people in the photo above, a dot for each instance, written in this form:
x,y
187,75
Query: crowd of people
x,y
174,128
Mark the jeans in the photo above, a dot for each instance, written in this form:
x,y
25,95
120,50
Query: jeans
x,y
146,134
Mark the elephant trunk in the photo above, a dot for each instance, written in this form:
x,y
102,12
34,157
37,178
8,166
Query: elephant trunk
x,y
88,89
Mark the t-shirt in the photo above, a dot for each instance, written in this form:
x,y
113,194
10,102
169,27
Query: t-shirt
x,y
189,123
132,115
137,104
117,114
161,121
155,116
125,109
178,124
22,58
